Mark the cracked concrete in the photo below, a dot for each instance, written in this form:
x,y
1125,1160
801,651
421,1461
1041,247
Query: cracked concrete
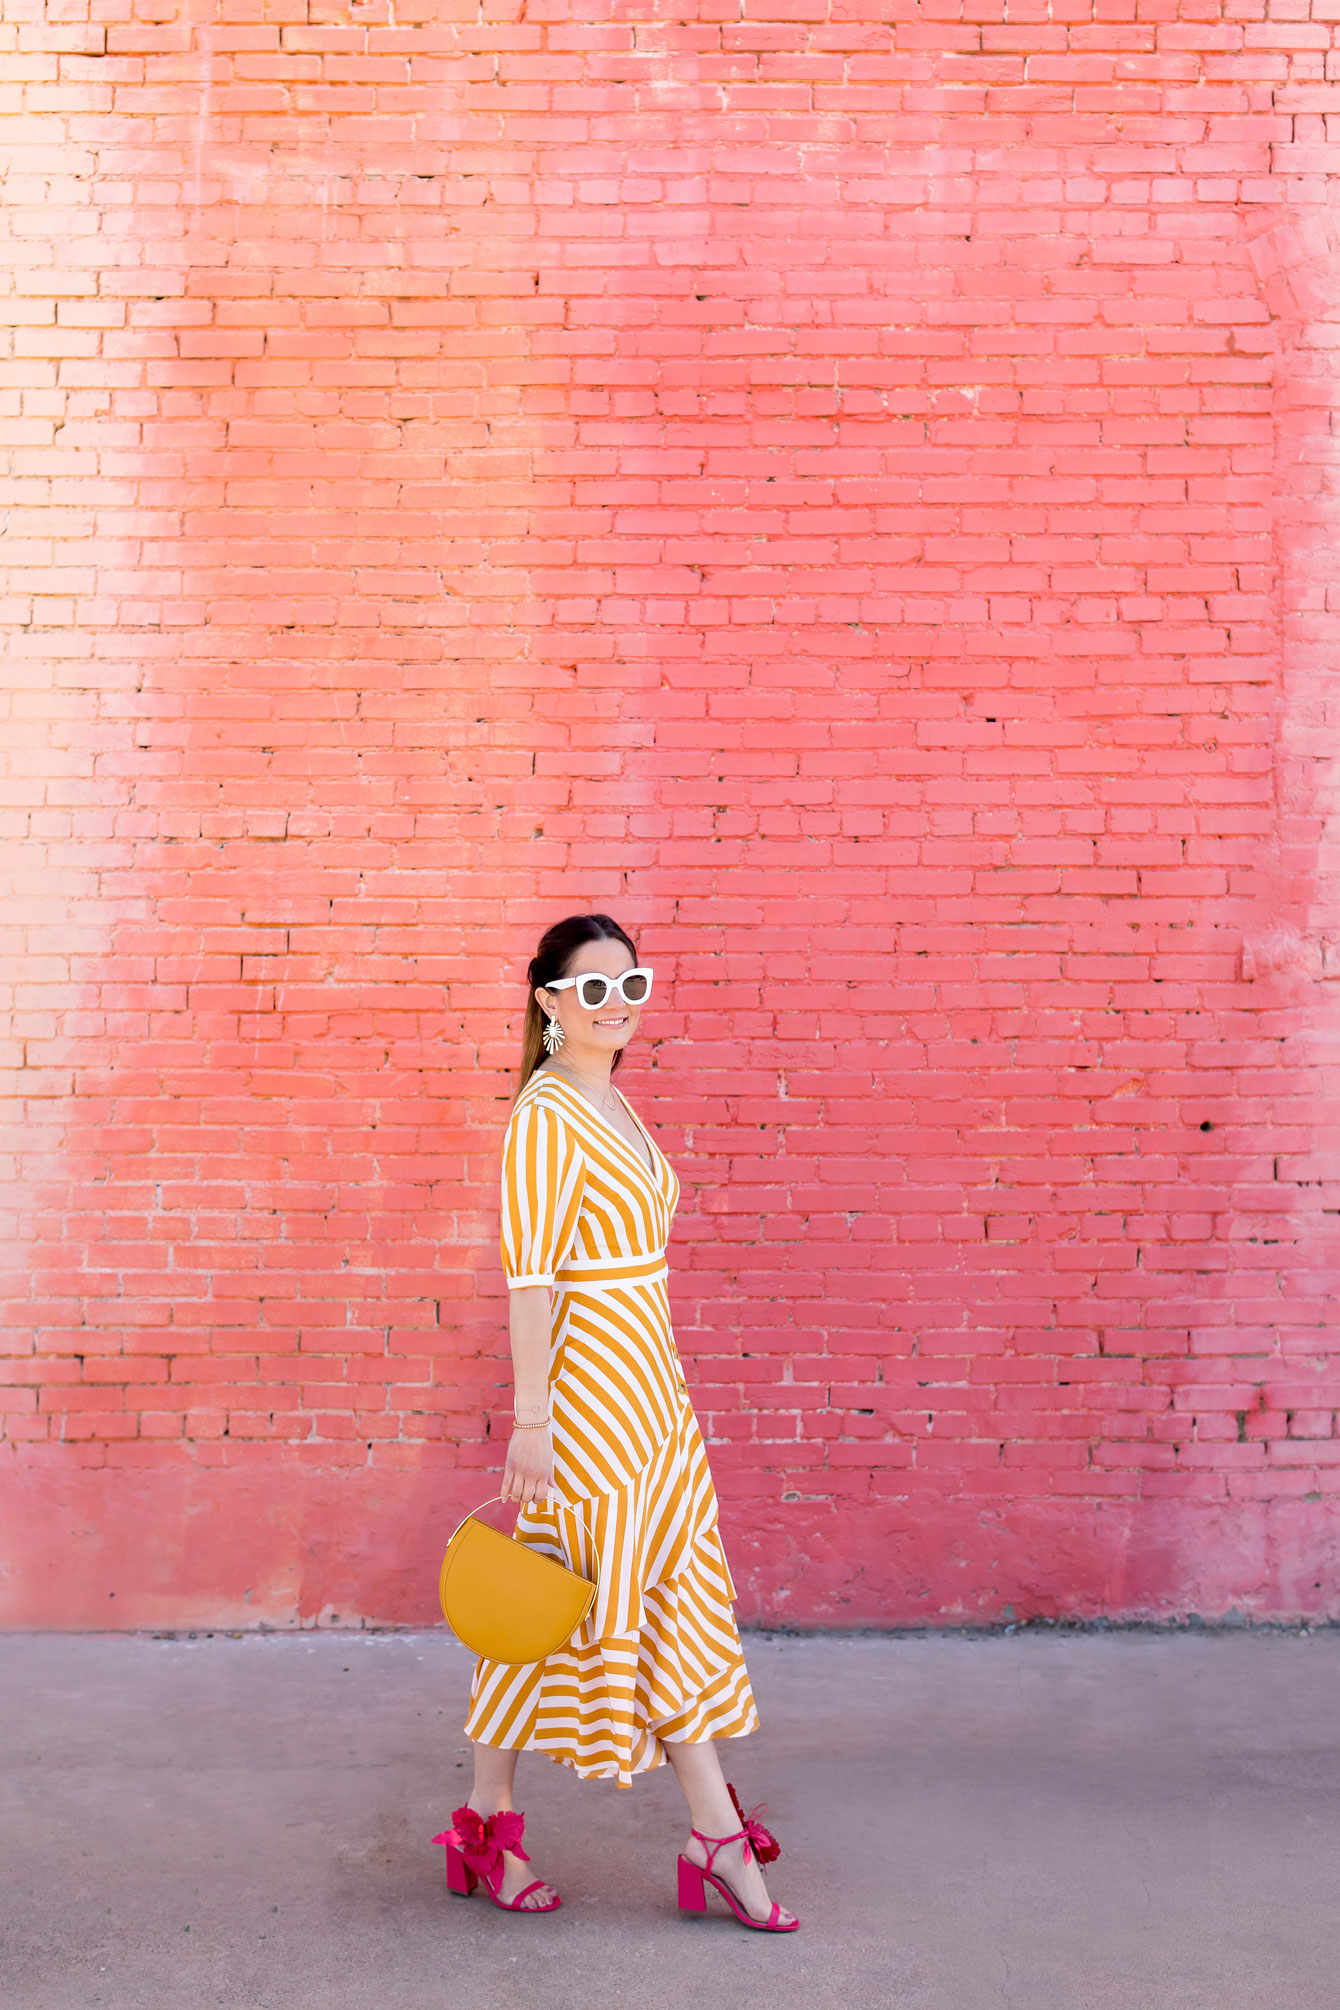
x,y
1118,1821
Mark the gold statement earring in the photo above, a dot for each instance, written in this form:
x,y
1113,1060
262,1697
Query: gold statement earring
x,y
553,1035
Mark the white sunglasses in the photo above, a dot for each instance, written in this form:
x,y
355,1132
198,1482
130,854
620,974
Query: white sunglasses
x,y
634,987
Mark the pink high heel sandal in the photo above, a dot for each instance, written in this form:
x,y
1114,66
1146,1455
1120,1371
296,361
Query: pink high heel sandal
x,y
475,1845
694,1878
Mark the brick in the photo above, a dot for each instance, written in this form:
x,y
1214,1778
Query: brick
x,y
899,596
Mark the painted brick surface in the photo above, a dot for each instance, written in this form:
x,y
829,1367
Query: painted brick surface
x,y
845,487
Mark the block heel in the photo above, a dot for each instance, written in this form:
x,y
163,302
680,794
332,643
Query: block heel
x,y
692,1890
460,1878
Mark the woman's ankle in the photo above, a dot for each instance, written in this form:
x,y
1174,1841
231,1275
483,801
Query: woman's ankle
x,y
720,1824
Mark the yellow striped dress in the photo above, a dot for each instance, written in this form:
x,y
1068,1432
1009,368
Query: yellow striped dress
x,y
659,1655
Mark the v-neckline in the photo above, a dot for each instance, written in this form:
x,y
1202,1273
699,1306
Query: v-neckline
x,y
649,1172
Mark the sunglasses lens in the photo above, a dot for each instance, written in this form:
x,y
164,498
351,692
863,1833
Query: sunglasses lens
x,y
593,991
635,988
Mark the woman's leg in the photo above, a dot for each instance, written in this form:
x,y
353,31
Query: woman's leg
x,y
698,1770
495,1777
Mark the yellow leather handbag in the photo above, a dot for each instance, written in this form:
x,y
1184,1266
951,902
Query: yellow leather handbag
x,y
505,1600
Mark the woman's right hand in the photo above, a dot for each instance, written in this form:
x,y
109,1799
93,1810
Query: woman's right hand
x,y
529,1470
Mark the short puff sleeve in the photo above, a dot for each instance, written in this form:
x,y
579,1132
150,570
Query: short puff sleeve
x,y
543,1175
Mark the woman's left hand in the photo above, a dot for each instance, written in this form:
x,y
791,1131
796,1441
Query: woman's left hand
x,y
530,1467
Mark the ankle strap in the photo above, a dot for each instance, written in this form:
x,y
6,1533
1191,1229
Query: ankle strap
x,y
713,1843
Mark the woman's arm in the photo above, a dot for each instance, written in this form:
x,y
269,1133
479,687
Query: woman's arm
x,y
530,1454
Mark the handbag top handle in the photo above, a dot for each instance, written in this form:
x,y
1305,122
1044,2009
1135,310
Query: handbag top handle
x,y
501,1500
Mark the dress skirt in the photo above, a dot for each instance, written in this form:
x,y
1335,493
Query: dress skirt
x,y
658,1657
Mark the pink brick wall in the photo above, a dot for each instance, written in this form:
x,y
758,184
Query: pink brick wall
x,y
845,487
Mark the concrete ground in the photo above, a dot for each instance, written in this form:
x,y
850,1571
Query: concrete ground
x,y
1055,1822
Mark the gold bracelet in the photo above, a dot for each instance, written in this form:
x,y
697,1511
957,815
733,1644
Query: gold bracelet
x,y
530,1427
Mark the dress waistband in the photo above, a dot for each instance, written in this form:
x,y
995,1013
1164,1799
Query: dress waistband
x,y
591,1273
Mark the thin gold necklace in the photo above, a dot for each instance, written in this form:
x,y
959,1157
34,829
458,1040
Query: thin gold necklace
x,y
605,1111
603,1106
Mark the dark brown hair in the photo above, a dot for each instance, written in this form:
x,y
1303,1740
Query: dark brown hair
x,y
550,961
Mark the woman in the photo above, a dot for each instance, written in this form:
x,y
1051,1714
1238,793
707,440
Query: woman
x,y
605,1459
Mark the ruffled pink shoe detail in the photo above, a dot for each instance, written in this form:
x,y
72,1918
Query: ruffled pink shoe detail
x,y
764,1845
